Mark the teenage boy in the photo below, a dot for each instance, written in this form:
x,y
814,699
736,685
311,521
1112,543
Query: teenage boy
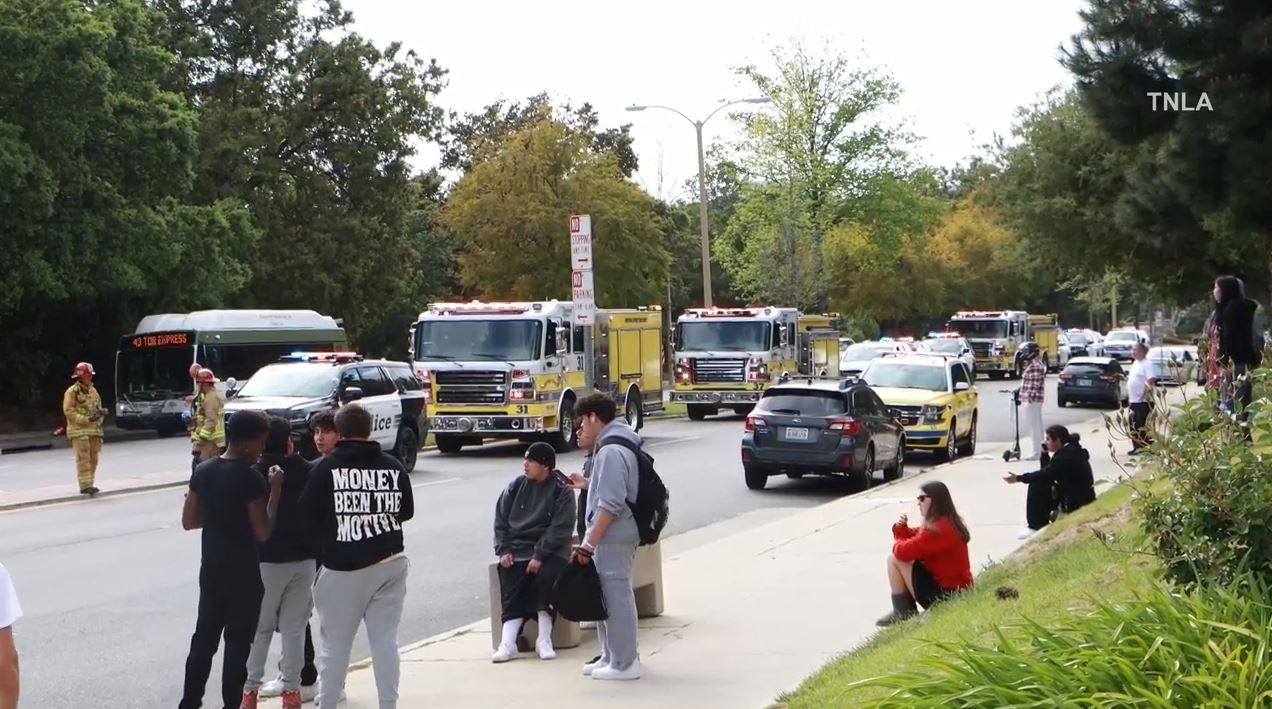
x,y
359,496
235,508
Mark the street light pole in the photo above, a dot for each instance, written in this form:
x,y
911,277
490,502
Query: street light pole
x,y
702,187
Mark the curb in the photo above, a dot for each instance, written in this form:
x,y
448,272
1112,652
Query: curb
x,y
49,441
79,496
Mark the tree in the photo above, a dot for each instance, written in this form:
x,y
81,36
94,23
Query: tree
x,y
470,139
96,167
312,126
1203,191
822,145
511,213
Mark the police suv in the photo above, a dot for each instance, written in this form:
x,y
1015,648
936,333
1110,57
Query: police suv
x,y
304,383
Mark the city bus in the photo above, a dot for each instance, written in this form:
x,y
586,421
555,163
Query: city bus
x,y
152,365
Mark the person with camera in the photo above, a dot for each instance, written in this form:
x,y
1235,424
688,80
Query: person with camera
x,y
82,406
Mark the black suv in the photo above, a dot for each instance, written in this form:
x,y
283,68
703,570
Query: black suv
x,y
822,427
304,383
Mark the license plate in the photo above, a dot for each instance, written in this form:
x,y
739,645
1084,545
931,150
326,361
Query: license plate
x,y
1084,382
797,434
907,421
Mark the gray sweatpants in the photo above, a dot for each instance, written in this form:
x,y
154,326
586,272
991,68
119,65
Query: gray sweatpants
x,y
345,599
285,607
617,635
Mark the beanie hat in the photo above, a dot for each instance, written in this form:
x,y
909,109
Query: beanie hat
x,y
543,454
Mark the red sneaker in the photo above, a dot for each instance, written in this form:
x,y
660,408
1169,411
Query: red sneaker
x,y
291,699
249,700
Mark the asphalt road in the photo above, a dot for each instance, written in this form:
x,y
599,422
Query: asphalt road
x,y
109,586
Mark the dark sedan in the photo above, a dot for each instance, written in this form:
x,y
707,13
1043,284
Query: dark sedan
x,y
825,428
1092,380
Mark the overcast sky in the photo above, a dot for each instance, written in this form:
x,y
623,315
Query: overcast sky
x,y
963,65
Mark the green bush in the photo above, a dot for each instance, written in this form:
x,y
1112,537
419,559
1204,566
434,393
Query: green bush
x,y
1208,508
1211,647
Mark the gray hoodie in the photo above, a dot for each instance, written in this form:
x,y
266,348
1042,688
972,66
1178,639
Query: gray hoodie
x,y
614,482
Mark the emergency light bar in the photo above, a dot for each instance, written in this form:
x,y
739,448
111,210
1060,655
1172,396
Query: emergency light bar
x,y
943,335
477,307
981,314
333,357
726,312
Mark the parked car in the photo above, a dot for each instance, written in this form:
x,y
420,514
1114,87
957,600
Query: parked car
x,y
1175,365
1099,380
822,427
1118,343
856,357
1080,344
936,398
954,345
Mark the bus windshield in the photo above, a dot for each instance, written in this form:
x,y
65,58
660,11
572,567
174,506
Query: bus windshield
x,y
478,340
724,336
980,329
154,374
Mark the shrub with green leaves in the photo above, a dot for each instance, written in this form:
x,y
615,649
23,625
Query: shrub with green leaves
x,y
1207,648
1208,508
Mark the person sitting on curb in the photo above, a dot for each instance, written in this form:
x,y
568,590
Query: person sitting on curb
x,y
929,563
1068,470
534,522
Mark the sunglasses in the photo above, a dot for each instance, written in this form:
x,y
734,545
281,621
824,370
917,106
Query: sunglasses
x,y
922,498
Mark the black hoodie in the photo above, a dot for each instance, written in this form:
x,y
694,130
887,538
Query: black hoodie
x,y
1070,470
358,496
292,538
1235,321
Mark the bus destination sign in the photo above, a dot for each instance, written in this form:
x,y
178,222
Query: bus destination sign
x,y
159,339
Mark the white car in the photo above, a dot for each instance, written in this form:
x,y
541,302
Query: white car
x,y
1119,343
855,358
1174,365
959,347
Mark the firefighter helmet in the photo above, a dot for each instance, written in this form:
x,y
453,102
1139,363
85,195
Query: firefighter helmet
x,y
205,376
83,368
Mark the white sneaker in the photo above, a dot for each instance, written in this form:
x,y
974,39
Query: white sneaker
x,y
545,649
609,673
1026,533
591,667
272,688
504,653
310,693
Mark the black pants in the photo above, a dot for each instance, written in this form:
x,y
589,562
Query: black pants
x,y
1139,424
927,592
1039,502
229,604
524,595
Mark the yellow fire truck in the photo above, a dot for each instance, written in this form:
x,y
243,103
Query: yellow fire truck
x,y
726,357
996,337
515,370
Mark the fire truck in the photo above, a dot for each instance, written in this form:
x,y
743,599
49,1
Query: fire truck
x,y
515,370
726,357
995,335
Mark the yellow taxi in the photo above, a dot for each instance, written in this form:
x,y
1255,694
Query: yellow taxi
x,y
933,395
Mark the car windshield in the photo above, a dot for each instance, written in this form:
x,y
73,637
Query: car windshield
x,y
906,376
802,403
1123,337
723,335
857,353
309,381
1078,339
945,345
478,340
983,329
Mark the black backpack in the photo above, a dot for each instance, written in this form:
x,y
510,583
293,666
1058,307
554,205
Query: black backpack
x,y
650,508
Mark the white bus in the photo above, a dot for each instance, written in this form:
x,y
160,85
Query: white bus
x,y
152,365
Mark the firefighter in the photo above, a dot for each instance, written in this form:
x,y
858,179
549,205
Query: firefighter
x,y
207,432
82,406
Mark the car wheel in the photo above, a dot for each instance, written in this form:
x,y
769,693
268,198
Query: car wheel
x,y
951,444
449,445
795,476
897,469
969,446
756,478
408,448
1062,403
862,478
564,440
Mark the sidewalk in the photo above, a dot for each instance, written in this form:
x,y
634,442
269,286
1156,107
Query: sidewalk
x,y
749,616
53,494
11,443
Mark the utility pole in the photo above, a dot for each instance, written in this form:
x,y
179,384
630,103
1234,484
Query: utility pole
x,y
702,186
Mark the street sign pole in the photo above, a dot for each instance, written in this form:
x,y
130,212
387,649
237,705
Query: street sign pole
x,y
583,289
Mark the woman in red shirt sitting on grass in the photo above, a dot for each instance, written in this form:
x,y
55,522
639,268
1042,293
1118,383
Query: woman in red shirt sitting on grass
x,y
929,563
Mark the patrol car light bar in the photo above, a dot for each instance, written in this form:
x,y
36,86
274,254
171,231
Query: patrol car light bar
x,y
337,357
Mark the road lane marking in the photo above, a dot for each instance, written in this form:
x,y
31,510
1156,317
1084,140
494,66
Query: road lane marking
x,y
435,482
667,441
